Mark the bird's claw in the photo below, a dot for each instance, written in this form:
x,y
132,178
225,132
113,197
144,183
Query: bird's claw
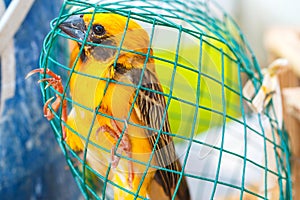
x,y
124,145
47,112
114,158
55,82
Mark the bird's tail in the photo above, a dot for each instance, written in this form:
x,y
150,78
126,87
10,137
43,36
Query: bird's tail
x,y
183,192
158,190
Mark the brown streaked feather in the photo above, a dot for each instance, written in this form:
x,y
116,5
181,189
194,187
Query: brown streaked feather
x,y
150,107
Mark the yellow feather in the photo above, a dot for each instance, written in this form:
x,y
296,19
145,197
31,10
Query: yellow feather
x,y
115,99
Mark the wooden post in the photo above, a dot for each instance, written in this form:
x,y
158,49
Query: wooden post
x,y
285,43
12,19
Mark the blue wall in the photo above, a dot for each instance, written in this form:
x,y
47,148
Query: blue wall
x,y
31,163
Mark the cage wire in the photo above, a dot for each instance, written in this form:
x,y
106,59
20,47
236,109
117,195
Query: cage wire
x,y
202,61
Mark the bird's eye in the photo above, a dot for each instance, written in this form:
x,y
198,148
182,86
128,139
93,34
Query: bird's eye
x,y
98,29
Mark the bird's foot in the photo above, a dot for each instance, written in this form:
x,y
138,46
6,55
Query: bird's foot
x,y
55,81
124,146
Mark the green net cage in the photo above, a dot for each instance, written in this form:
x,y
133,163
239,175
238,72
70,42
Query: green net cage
x,y
202,63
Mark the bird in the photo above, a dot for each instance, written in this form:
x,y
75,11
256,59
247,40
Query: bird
x,y
115,85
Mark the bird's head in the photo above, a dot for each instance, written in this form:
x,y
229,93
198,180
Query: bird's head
x,y
106,29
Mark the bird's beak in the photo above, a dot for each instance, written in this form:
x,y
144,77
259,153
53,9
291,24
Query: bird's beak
x,y
74,26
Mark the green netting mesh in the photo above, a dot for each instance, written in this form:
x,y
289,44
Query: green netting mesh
x,y
202,61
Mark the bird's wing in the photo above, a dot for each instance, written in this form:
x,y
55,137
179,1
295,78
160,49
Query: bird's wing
x,y
150,107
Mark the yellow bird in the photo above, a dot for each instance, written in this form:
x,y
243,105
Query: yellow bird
x,y
121,90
